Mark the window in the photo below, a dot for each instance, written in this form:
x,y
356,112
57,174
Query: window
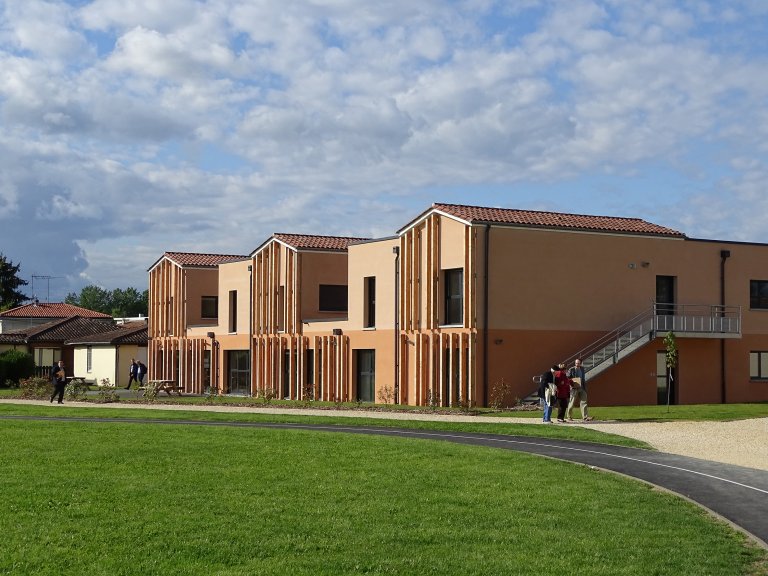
x,y
758,294
370,302
89,359
333,297
758,365
454,296
209,307
233,310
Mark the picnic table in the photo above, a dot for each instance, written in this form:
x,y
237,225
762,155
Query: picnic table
x,y
167,386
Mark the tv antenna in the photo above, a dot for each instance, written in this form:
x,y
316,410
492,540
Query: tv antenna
x,y
48,286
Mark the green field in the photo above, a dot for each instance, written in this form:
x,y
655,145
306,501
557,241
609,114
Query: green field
x,y
118,498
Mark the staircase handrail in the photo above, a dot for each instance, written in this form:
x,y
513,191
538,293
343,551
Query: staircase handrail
x,y
714,311
613,335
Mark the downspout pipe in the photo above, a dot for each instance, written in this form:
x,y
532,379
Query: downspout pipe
x,y
396,251
486,292
250,329
724,255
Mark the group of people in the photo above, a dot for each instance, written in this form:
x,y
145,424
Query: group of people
x,y
563,388
137,371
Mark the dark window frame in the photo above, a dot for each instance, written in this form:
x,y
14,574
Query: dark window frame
x,y
370,302
232,311
453,300
762,365
205,307
333,298
758,294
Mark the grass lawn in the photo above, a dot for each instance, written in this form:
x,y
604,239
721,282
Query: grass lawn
x,y
122,499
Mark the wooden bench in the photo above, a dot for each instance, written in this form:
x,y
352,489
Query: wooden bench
x,y
167,386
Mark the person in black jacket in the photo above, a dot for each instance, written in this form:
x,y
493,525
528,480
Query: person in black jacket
x,y
59,380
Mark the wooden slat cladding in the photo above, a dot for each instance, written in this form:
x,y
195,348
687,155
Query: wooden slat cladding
x,y
181,360
167,314
438,364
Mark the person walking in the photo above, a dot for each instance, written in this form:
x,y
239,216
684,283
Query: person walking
x,y
578,391
563,384
141,372
59,380
546,392
133,371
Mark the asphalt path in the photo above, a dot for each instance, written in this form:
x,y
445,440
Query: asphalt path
x,y
735,493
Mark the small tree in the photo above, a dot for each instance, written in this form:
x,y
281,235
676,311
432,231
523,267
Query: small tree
x,y
16,365
671,361
10,297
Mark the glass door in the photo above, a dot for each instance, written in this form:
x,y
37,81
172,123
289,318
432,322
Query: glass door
x,y
237,362
366,375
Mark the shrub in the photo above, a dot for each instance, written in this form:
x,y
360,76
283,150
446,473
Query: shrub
x,y
35,388
16,365
386,395
499,394
106,392
76,390
151,390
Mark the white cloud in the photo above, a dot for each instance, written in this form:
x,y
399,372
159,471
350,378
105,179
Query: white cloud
x,y
131,127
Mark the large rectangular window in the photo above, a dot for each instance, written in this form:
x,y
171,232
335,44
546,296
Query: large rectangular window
x,y
209,307
333,297
758,365
233,310
758,294
454,296
370,302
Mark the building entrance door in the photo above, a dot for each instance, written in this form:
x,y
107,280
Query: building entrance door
x,y
665,295
665,382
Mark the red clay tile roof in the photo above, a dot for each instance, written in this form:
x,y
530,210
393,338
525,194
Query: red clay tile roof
x,y
128,333
51,310
59,330
201,260
537,219
314,242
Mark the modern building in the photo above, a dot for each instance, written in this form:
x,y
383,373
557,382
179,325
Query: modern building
x,y
465,305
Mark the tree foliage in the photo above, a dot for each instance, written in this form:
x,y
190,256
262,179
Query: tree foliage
x,y
118,303
10,296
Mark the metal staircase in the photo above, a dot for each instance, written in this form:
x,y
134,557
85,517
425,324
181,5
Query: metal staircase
x,y
684,320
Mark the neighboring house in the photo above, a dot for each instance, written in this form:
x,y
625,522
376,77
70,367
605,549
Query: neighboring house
x,y
48,343
35,314
183,308
465,303
108,355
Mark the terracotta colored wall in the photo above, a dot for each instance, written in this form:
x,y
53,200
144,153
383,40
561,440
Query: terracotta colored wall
x,y
199,283
320,268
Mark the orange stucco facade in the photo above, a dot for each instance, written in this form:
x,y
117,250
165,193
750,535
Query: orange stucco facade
x,y
456,304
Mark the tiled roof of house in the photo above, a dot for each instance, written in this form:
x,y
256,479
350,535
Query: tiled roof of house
x,y
60,330
202,260
51,310
538,219
128,333
315,242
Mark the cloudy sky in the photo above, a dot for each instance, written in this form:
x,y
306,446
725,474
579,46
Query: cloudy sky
x,y
133,127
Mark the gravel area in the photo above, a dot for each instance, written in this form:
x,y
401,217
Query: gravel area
x,y
740,442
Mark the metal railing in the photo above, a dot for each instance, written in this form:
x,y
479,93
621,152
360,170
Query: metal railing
x,y
682,319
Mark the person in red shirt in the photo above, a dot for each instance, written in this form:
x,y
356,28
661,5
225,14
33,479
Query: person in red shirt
x,y
563,384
